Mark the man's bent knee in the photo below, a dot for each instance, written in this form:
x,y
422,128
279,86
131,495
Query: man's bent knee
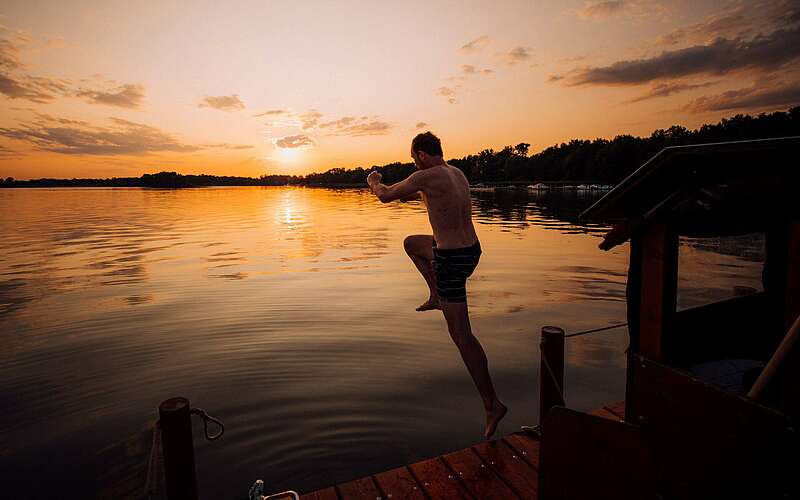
x,y
408,244
414,245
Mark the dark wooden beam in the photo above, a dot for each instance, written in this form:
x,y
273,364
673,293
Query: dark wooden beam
x,y
587,456
658,294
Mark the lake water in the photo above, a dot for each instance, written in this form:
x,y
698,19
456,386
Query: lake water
x,y
288,313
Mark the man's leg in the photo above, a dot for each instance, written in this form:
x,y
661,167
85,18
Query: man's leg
x,y
474,357
420,248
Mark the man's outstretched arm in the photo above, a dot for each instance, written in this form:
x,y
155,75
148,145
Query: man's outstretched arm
x,y
412,197
403,189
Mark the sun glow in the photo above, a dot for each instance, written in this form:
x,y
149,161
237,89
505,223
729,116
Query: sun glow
x,y
288,154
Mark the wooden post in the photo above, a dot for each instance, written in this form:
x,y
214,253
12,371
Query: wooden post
x,y
178,447
551,385
659,287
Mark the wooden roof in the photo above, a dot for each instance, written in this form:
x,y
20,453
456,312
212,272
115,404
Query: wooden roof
x,y
770,166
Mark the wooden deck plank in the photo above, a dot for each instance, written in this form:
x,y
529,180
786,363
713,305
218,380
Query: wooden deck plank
x,y
324,494
526,446
602,412
399,484
617,409
520,475
482,481
437,480
359,489
507,477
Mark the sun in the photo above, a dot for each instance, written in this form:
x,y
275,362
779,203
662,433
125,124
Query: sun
x,y
288,154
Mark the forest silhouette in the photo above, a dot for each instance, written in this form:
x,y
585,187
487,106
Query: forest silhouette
x,y
604,161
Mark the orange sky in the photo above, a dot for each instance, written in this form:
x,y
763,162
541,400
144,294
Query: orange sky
x,y
102,89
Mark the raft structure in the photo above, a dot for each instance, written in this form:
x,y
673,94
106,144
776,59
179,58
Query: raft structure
x,y
712,392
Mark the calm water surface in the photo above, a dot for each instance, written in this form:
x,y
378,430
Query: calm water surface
x,y
289,314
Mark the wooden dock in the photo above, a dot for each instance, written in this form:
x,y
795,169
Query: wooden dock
x,y
505,468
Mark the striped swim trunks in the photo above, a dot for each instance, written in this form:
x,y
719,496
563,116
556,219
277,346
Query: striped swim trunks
x,y
452,267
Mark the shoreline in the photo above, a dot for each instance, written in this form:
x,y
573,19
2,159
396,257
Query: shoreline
x,y
477,186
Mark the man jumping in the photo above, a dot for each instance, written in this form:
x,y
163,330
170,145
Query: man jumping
x,y
447,258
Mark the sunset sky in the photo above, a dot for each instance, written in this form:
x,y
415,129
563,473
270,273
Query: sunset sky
x,y
111,88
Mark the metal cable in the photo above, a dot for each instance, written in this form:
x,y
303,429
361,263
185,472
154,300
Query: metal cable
x,y
578,334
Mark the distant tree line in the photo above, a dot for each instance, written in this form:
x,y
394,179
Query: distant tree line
x,y
159,180
598,160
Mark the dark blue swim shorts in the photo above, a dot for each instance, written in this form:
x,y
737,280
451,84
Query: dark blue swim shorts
x,y
452,267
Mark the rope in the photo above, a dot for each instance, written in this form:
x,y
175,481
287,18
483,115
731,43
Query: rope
x,y
553,378
206,418
578,334
537,429
150,486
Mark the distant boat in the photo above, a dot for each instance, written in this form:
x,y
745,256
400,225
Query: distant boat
x,y
582,187
539,187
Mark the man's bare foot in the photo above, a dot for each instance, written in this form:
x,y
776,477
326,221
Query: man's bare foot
x,y
493,417
429,305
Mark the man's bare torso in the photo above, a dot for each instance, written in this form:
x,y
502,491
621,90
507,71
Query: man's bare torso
x,y
445,191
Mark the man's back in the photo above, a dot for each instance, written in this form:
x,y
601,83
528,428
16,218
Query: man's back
x,y
445,190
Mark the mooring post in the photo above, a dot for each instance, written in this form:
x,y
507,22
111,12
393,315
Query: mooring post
x,y
178,448
551,370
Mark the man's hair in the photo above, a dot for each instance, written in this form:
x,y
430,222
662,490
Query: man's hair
x,y
427,142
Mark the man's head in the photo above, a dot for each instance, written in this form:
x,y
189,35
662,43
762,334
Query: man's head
x,y
426,149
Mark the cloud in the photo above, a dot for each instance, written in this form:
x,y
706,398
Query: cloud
x,y
665,89
469,69
124,96
420,125
341,122
8,152
743,19
13,85
372,127
9,56
310,119
122,137
600,10
39,90
271,112
294,141
222,103
355,126
517,55
476,45
225,145
456,83
752,98
351,125
603,10
720,57
448,92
